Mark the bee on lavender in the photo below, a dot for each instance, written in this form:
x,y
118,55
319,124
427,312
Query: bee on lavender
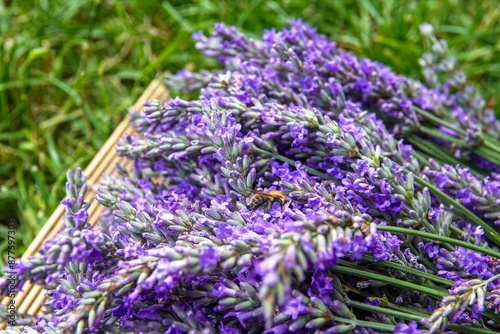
x,y
266,199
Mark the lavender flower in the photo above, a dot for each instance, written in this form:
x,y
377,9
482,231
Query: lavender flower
x,y
469,293
302,67
179,248
411,328
480,195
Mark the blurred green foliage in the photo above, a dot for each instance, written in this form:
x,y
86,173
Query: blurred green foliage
x,y
69,70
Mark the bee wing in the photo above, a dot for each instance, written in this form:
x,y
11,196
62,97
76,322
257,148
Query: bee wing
x,y
268,205
255,206
258,200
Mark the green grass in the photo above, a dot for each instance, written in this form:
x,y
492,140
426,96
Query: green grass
x,y
69,70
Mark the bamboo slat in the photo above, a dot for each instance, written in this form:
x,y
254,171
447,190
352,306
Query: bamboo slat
x,y
30,300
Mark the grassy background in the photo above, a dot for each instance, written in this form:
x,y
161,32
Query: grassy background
x,y
69,70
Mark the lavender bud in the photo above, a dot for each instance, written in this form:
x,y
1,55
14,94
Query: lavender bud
x,y
297,325
316,323
340,329
342,310
426,29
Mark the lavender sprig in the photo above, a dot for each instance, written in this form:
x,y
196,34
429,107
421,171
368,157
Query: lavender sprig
x,y
180,248
69,245
299,73
471,293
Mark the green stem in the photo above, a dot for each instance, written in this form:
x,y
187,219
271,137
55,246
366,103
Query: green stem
x,y
411,271
438,154
489,280
486,154
391,281
421,158
460,233
490,149
438,120
440,238
363,323
411,311
407,316
438,134
484,151
356,267
491,143
491,234
377,309
419,312
427,225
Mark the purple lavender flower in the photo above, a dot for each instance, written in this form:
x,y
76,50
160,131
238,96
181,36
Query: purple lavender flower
x,y
494,300
179,248
294,64
410,328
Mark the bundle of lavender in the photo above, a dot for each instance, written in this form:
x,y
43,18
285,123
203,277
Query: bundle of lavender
x,y
287,199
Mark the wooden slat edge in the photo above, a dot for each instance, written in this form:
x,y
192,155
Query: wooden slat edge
x,y
55,222
30,300
89,171
153,90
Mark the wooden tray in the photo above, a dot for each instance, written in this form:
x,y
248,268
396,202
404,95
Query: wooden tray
x,y
30,300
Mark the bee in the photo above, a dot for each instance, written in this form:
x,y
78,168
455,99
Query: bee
x,y
266,199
